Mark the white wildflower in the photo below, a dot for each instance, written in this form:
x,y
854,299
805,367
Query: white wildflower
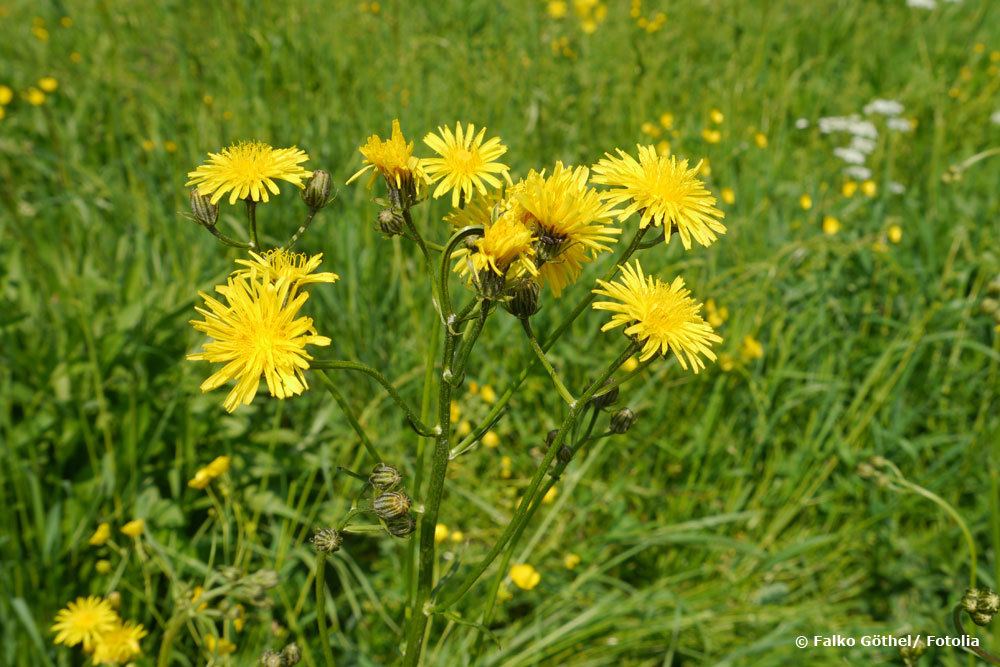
x,y
900,124
858,173
862,144
922,4
896,188
883,107
849,155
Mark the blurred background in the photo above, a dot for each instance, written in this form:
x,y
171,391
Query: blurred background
x,y
856,291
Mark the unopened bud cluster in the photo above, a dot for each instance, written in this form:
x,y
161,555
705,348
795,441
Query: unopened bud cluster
x,y
391,504
289,656
982,604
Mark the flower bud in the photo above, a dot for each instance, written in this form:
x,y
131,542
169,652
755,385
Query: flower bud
x,y
327,540
523,301
270,659
564,455
622,421
402,526
491,284
384,476
606,397
204,211
981,618
911,654
291,655
391,505
551,436
390,222
316,194
970,600
989,601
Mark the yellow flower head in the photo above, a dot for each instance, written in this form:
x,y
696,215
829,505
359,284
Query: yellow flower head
x,y
134,528
219,646
571,560
218,467
751,349
665,191
6,95
256,333
478,212
505,245
466,163
441,533
659,316
119,645
248,170
48,83
393,158
280,266
35,97
100,536
83,621
524,576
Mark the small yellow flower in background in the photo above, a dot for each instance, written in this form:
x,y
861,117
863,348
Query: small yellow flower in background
x,y
491,439
120,644
557,9
728,196
726,362
667,121
705,169
227,115
663,148
464,428
441,533
208,100
630,364
661,317
868,188
75,58
148,145
48,83
196,594
256,333
979,47
849,188
760,139
879,246
711,136
466,164
83,621
473,387
665,190
101,535
102,566
571,560
280,266
35,97
247,170
219,646
895,233
241,618
457,536
503,593
393,159
716,116
550,496
524,576
995,56
134,528
650,129
751,349
488,394
171,147
40,33
954,93
6,95
204,476
455,411
830,225
505,463
715,315
806,202
66,22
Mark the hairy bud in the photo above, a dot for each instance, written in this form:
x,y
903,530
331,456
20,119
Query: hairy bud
x,y
390,222
270,659
327,540
523,302
551,436
291,655
384,476
204,211
402,526
391,504
316,194
564,455
622,421
491,284
606,397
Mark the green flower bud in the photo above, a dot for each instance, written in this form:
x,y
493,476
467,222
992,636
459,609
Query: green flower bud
x,y
204,211
491,284
327,540
989,601
391,505
604,397
551,436
316,194
970,601
523,302
622,421
981,618
270,659
291,655
384,476
390,222
911,654
402,526
564,455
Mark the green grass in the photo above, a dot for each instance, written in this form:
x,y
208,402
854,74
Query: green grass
x,y
729,520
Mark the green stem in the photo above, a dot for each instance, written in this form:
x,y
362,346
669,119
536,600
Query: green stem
x,y
540,354
232,243
302,229
982,653
520,514
415,421
252,217
444,270
169,635
349,413
324,639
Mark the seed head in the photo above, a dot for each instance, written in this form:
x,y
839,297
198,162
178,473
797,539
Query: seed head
x,y
391,505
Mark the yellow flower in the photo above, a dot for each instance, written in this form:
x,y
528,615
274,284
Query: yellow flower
x,y
760,139
650,129
524,576
6,95
83,621
120,644
711,136
75,58
716,316
571,560
665,191
134,528
706,168
663,148
256,333
505,464
473,387
630,364
66,22
726,362
488,394
480,211
464,428
35,97
830,225
393,158
40,33
219,646
505,244
849,188
148,145
171,147
751,349
557,9
102,566
241,618
457,536
716,116
247,170
491,439
466,164
868,188
659,316
441,533
728,196
806,202
280,266
895,233
101,535
48,84
218,467
550,495
455,411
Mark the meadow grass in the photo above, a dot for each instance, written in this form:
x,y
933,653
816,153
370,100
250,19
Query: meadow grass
x,y
730,519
